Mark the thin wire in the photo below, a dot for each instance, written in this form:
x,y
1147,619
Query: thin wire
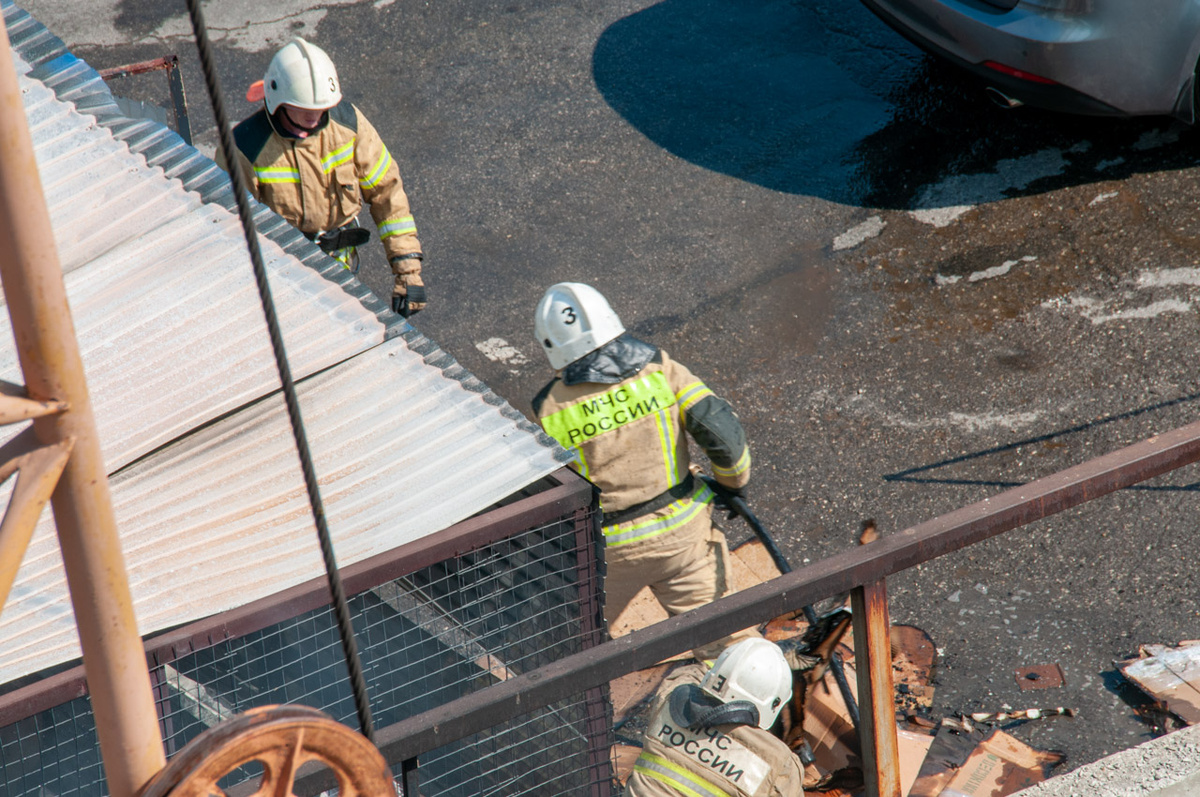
x,y
345,628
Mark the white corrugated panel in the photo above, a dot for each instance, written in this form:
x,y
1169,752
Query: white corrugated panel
x,y
221,517
168,318
213,514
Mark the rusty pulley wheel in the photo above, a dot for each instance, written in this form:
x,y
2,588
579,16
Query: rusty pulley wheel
x,y
280,739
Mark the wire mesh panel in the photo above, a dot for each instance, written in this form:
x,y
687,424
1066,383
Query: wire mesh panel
x,y
545,752
51,753
425,638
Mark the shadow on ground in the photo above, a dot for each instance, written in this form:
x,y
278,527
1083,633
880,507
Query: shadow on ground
x,y
819,97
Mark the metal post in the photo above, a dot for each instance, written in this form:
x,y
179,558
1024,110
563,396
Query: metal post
x,y
410,785
117,676
873,666
598,726
178,101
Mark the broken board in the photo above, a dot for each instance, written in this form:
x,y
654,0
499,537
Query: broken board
x,y
965,762
1170,675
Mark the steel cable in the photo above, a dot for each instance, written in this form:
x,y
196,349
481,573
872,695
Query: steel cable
x,y
345,627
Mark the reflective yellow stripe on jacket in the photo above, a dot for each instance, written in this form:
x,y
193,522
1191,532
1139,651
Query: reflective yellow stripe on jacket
x,y
277,175
400,226
377,171
739,467
677,777
679,513
343,154
691,394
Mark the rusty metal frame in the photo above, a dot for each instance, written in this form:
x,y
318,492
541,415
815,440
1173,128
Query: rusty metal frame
x,y
853,569
590,539
170,65
38,469
589,570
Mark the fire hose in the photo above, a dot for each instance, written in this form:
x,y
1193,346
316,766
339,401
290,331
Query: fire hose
x,y
738,505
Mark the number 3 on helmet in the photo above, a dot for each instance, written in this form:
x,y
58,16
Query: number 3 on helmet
x,y
572,320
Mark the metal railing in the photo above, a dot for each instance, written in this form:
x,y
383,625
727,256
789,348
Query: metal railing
x,y
861,572
170,65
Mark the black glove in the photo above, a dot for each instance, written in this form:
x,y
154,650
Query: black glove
x,y
410,303
724,495
342,238
740,492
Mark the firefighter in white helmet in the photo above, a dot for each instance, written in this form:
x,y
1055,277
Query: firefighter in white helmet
x,y
708,731
313,159
625,409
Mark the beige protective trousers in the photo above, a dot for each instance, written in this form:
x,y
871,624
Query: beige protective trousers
x,y
687,570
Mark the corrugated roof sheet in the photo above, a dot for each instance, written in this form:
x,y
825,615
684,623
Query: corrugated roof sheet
x,y
208,493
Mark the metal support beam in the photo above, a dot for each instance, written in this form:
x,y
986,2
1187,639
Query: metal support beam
x,y
118,679
170,65
38,469
873,666
183,125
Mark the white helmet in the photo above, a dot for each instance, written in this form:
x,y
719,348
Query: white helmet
x,y
573,319
301,74
753,670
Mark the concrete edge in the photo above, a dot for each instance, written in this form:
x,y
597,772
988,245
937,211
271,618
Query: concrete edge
x,y
1168,766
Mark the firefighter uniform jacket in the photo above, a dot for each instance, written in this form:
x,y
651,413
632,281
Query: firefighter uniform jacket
x,y
623,410
318,183
724,761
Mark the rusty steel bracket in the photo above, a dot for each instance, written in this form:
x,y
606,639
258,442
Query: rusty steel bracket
x,y
170,65
38,469
16,406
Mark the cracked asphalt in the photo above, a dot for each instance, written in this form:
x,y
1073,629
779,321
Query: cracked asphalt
x,y
914,299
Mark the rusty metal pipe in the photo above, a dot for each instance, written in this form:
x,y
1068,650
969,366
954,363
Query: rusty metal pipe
x,y
166,63
117,676
873,666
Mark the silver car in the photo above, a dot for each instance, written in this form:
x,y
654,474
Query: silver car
x,y
1106,57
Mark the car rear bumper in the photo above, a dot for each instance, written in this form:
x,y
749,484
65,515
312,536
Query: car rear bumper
x,y
1096,66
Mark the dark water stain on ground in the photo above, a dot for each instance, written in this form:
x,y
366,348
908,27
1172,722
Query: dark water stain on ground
x,y
138,18
765,323
788,315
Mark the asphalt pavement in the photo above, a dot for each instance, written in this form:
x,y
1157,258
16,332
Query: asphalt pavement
x,y
913,298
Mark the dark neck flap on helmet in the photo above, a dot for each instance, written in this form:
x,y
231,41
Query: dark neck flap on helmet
x,y
695,709
613,362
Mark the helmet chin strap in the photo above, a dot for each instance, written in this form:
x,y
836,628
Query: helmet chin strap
x,y
735,712
292,121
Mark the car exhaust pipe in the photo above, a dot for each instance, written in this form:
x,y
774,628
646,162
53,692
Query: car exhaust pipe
x,y
1000,98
